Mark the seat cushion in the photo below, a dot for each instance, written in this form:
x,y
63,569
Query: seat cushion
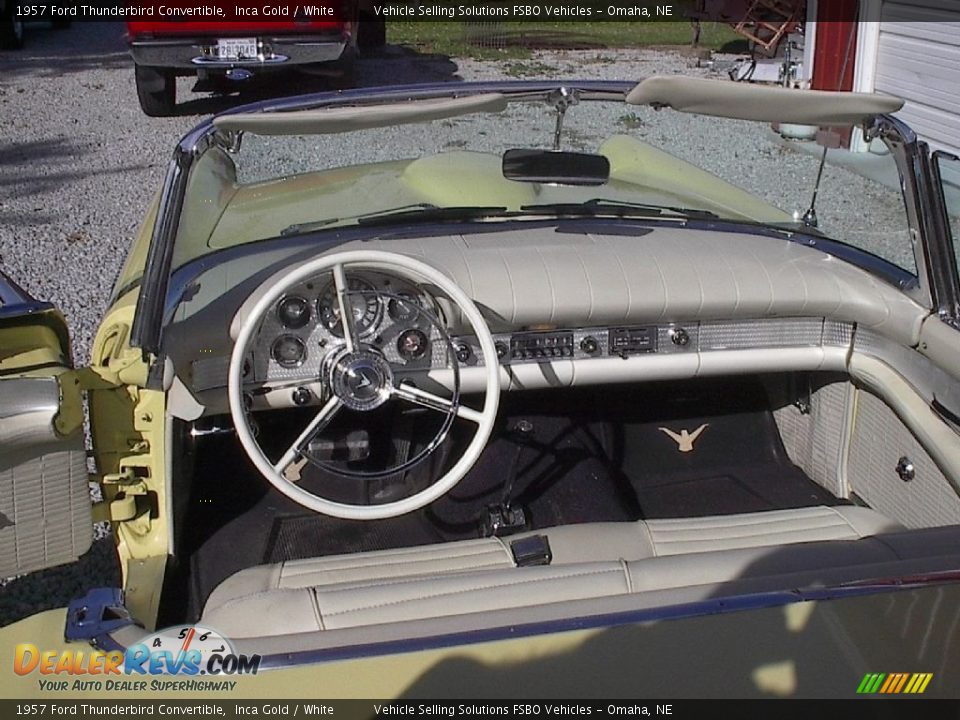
x,y
589,560
775,527
308,609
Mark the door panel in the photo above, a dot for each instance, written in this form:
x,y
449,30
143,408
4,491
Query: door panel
x,y
45,511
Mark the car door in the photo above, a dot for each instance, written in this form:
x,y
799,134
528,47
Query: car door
x,y
45,508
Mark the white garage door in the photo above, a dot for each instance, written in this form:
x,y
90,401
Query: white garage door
x,y
918,58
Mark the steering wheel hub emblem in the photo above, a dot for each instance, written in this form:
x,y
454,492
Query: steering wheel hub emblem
x,y
362,380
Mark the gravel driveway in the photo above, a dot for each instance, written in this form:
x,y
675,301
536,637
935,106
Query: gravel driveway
x,y
79,164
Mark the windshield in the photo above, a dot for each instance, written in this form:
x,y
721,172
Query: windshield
x,y
690,166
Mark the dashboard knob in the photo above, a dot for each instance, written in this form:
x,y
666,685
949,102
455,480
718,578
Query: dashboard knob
x,y
501,350
464,353
589,345
301,396
679,337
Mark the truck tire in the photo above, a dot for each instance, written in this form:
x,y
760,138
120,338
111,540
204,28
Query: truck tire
x,y
157,90
11,30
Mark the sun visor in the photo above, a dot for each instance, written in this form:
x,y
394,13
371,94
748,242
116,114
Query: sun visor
x,y
322,121
764,103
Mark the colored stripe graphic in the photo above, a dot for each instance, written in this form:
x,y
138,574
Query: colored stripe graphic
x,y
900,683
894,683
871,683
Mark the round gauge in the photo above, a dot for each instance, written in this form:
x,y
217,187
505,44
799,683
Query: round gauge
x,y
404,307
294,312
412,344
363,300
289,351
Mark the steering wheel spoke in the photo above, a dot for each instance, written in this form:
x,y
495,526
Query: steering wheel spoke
x,y
415,395
319,422
350,336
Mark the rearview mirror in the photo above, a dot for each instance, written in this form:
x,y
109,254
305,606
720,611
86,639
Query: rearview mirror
x,y
555,167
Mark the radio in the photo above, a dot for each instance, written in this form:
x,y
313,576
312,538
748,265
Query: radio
x,y
632,341
541,345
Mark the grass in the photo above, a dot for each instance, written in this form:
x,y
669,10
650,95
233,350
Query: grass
x,y
516,40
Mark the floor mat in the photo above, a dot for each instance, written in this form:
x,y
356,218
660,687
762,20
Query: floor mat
x,y
549,459
713,450
293,538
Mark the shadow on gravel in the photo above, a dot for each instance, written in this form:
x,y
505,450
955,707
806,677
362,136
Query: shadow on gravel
x,y
80,48
54,588
33,169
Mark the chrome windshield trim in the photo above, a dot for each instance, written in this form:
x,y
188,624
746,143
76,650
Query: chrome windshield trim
x,y
946,278
909,155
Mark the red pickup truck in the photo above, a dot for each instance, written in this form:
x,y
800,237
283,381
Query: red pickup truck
x,y
238,50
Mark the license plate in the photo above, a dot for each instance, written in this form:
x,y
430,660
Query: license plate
x,y
237,48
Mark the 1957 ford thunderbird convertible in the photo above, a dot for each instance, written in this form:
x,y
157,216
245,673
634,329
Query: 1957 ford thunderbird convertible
x,y
540,395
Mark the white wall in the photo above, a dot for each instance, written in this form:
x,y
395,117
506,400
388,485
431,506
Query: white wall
x,y
915,48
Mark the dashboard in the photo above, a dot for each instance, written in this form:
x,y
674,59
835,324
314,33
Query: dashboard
x,y
408,326
565,309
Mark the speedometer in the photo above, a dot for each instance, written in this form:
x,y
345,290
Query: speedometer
x,y
363,300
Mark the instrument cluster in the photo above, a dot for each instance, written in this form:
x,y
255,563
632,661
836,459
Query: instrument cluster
x,y
390,314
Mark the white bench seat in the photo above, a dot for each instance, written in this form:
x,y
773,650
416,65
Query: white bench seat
x,y
589,560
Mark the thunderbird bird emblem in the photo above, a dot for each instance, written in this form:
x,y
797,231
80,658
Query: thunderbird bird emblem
x,y
685,439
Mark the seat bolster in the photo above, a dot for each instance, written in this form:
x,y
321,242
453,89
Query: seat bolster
x,y
724,566
269,612
866,522
777,527
417,598
248,582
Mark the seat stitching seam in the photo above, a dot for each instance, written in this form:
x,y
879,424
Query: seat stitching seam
x,y
781,541
699,527
470,589
753,518
758,533
398,580
626,574
846,521
258,593
408,561
650,538
506,551
316,609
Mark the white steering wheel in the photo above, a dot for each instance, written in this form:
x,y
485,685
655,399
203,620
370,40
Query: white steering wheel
x,y
360,377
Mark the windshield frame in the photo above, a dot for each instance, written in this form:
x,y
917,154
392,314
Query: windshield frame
x,y
146,333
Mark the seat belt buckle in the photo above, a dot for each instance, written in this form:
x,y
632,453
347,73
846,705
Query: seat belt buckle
x,y
530,551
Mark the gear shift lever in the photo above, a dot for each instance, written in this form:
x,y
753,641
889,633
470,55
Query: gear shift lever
x,y
504,518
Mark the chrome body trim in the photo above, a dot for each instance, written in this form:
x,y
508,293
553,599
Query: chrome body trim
x,y
28,408
190,53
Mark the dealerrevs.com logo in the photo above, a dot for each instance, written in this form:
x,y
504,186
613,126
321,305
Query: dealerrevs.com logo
x,y
189,650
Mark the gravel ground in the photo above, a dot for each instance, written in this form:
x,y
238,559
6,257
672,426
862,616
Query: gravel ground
x,y
79,163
